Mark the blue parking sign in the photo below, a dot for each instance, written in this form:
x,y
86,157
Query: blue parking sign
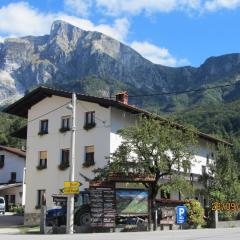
x,y
181,212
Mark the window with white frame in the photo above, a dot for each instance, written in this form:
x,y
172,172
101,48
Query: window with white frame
x,y
42,159
89,156
65,123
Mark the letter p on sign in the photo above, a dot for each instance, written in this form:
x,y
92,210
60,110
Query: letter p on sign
x,y
181,214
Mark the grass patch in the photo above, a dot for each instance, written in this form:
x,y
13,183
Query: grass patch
x,y
29,230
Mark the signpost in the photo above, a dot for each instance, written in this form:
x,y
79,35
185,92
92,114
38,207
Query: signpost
x,y
181,215
71,188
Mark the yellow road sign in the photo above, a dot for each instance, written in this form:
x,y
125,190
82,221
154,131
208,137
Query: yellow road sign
x,y
72,184
71,190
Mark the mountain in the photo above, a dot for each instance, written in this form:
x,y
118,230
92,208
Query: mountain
x,y
93,63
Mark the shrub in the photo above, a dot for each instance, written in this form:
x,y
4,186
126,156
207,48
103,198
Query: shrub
x,y
195,213
18,209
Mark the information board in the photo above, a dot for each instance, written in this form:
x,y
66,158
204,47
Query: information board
x,y
102,202
131,202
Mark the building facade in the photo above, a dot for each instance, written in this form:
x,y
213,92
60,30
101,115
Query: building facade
x,y
12,167
97,123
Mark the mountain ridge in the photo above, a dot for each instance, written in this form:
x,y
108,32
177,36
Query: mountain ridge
x,y
96,64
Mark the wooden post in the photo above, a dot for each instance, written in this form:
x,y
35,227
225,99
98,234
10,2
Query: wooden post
x,y
215,219
155,218
150,206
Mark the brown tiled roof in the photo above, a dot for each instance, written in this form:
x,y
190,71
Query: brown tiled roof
x,y
20,107
15,151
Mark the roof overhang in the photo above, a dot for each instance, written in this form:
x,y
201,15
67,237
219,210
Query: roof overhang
x,y
20,108
11,185
15,151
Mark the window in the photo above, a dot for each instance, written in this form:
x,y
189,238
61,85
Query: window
x,y
65,156
207,159
41,198
64,159
89,120
89,156
204,171
2,158
13,177
165,195
42,160
65,124
43,127
12,199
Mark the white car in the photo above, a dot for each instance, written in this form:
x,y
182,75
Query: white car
x,y
2,205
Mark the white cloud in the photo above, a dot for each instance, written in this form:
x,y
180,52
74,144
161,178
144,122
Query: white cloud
x,y
79,7
20,19
134,7
157,55
1,39
213,5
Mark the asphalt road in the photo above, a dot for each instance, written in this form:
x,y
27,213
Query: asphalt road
x,y
202,234
10,221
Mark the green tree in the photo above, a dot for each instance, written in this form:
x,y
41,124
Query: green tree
x,y
156,148
224,184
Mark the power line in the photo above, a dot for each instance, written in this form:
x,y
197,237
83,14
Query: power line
x,y
182,92
53,110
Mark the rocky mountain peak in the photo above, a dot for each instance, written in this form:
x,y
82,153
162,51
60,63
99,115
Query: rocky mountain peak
x,y
69,55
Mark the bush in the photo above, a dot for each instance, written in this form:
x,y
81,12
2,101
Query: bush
x,y
18,209
195,213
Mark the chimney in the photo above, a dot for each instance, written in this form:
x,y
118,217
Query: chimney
x,y
122,97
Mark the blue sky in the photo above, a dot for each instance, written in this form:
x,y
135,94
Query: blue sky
x,y
168,32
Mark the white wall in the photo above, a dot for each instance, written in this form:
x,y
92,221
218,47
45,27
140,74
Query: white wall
x,y
12,163
205,149
52,179
119,120
104,137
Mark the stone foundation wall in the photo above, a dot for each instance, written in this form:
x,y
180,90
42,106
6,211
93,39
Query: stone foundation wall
x,y
32,219
228,224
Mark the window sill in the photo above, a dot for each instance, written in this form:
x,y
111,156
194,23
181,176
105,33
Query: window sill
x,y
42,133
41,167
89,126
11,181
63,167
86,165
63,130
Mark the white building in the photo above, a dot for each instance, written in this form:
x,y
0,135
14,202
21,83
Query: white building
x,y
48,140
12,165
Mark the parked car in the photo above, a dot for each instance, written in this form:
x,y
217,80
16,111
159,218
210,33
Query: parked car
x,y
2,205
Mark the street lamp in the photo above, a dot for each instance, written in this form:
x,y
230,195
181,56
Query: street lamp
x,y
70,203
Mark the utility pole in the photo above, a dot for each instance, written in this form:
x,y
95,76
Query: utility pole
x,y
70,204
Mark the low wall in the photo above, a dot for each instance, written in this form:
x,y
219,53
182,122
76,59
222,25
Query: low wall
x,y
228,224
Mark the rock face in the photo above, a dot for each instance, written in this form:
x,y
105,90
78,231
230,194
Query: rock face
x,y
68,56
